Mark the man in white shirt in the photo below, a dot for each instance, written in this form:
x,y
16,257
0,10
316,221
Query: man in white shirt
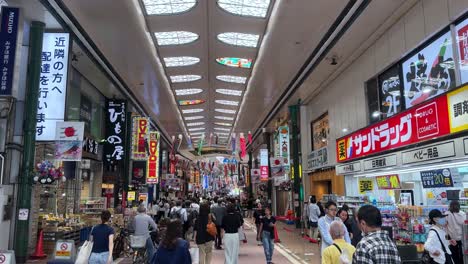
x,y
324,225
195,205
314,214
179,212
141,223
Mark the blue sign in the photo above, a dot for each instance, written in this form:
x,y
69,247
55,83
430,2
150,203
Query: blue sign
x,y
441,178
206,182
8,38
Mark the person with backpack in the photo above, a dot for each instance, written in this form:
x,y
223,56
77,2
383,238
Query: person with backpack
x,y
205,233
340,252
219,212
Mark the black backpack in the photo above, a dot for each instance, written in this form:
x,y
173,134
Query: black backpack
x,y
177,214
192,216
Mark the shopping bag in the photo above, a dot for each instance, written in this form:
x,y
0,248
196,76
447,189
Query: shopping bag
x,y
195,254
242,236
85,252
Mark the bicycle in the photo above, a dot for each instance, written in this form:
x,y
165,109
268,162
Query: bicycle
x,y
122,244
138,244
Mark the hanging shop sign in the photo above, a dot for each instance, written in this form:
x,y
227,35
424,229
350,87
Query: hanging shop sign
x,y
320,132
52,84
152,165
462,39
428,153
131,196
138,172
8,39
366,185
441,178
458,109
348,168
140,133
284,146
317,159
115,131
380,162
388,182
277,167
69,141
390,91
429,71
263,165
90,146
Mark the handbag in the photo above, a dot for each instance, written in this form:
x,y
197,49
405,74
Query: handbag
x,y
211,227
85,250
426,257
195,255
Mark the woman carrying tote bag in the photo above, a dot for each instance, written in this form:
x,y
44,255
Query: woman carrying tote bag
x,y
103,241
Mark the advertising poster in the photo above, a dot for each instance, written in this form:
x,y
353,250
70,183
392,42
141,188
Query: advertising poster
x,y
462,45
152,172
263,165
320,131
388,182
390,91
140,133
284,146
68,150
366,185
277,168
458,109
429,72
441,178
69,131
115,131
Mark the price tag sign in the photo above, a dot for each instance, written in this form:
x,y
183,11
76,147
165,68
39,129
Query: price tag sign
x,y
441,178
388,182
366,185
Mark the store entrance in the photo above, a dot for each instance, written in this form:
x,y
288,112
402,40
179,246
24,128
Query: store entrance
x,y
319,188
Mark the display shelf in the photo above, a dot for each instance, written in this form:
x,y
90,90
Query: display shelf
x,y
93,205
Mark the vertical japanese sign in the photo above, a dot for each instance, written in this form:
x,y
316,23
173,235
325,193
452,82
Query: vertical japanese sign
x,y
8,39
115,131
320,131
263,165
462,39
152,165
284,146
69,141
140,133
52,84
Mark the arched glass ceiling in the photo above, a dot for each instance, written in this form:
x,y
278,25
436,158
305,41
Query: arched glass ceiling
x,y
168,7
193,117
235,62
227,102
222,129
222,124
195,124
191,111
175,37
191,102
239,39
253,8
188,91
225,111
229,92
232,79
184,78
230,118
180,61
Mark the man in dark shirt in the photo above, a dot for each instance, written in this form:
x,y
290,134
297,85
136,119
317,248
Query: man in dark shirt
x,y
258,215
219,212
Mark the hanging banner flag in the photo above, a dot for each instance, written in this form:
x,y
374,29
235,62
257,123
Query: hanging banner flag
x,y
284,146
249,136
263,165
140,133
152,166
242,145
233,143
69,141
200,145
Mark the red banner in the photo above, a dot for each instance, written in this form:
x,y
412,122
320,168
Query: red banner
x,y
417,124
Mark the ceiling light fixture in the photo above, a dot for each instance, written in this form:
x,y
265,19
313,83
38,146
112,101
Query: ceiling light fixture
x,y
232,79
230,118
225,111
180,61
222,129
196,129
235,62
195,123
191,111
229,92
227,102
168,7
193,117
184,78
256,8
222,124
188,91
175,37
239,39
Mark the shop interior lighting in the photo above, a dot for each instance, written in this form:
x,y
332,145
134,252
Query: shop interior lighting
x,y
222,129
191,111
344,130
225,111
232,79
196,129
227,102
180,61
193,117
230,118
229,92
235,62
168,7
239,39
222,124
195,124
251,8
188,91
175,37
184,78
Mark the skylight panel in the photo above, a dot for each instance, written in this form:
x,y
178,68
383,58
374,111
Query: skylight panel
x,y
188,91
175,37
235,62
229,92
193,117
227,102
184,78
196,129
225,111
180,61
195,124
232,79
168,7
191,111
222,124
252,8
230,118
239,39
222,129
191,102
